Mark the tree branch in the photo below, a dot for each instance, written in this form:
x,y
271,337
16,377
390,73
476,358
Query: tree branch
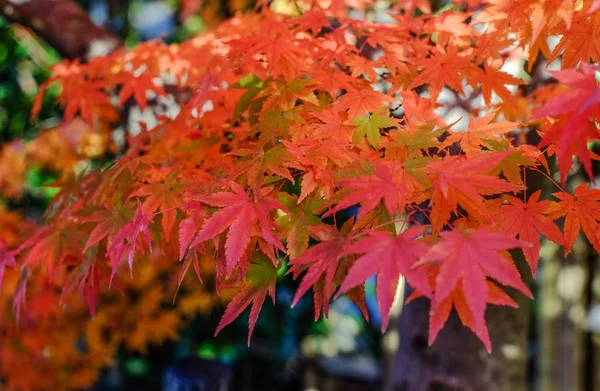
x,y
64,25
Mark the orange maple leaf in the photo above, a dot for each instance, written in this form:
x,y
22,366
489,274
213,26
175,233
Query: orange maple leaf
x,y
528,221
581,211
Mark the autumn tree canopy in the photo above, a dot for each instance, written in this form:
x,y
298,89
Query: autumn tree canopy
x,y
280,122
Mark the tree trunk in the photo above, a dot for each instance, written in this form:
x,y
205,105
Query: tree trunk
x,y
458,361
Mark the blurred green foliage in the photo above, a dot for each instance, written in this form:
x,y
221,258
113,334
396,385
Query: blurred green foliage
x,y
24,63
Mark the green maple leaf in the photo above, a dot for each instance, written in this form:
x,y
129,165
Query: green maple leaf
x,y
370,126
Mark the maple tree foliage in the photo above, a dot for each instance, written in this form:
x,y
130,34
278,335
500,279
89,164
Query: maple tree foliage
x,y
295,117
41,347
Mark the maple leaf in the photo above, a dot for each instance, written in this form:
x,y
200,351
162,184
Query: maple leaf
x,y
510,167
87,279
253,86
296,224
419,108
443,68
360,65
468,259
322,258
238,213
452,29
108,221
493,80
579,43
582,104
161,191
19,296
273,121
388,256
270,161
528,220
327,271
52,245
370,126
260,282
78,95
332,127
190,258
479,130
287,95
581,211
458,301
314,20
539,45
462,181
313,157
417,137
332,80
7,258
380,37
125,241
369,190
138,86
362,101
188,228
280,52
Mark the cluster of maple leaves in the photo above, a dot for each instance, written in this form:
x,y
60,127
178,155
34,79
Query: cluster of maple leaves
x,y
55,343
294,119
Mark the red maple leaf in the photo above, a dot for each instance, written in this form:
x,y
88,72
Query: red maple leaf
x,y
188,227
109,222
18,304
88,278
369,190
52,245
238,214
458,301
125,241
469,259
79,94
7,258
320,259
576,110
162,191
260,282
388,256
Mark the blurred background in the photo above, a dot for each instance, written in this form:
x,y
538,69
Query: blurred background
x,y
553,343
